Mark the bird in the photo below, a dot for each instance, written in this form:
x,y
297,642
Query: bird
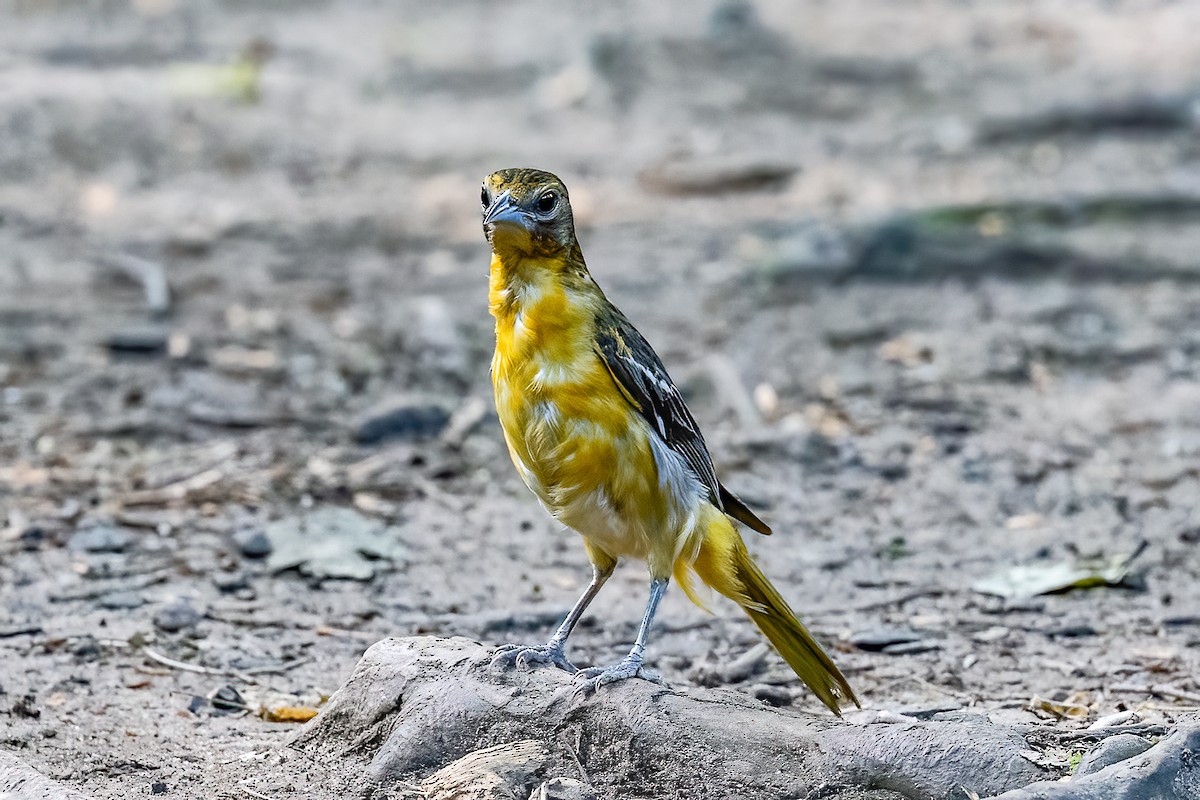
x,y
601,435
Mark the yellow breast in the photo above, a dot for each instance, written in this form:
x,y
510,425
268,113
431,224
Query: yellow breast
x,y
572,436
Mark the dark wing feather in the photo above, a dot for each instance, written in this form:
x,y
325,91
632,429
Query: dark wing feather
x,y
644,382
738,510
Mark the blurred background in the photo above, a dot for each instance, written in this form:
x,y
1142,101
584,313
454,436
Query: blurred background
x,y
927,272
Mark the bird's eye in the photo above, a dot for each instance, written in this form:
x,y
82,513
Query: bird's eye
x,y
545,203
483,198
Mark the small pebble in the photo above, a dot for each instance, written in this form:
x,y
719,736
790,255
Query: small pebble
x,y
776,696
142,341
32,538
1073,631
176,617
1112,720
25,707
229,700
404,419
910,648
229,582
158,787
876,639
86,649
253,543
563,789
101,539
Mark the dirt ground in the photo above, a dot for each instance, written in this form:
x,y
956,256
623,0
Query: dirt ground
x,y
927,272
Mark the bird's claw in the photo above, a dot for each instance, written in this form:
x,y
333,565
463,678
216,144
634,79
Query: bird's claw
x,y
592,678
532,656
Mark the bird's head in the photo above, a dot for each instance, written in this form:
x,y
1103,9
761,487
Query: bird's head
x,y
526,212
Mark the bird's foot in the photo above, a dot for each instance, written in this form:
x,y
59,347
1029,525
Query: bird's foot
x,y
590,679
530,656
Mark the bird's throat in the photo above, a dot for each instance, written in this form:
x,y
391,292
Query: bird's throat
x,y
542,308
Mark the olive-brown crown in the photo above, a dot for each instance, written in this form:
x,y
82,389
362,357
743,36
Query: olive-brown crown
x,y
527,210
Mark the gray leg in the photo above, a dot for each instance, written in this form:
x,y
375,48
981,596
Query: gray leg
x,y
552,651
631,665
599,577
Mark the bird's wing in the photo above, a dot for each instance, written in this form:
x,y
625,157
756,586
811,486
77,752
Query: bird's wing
x,y
643,380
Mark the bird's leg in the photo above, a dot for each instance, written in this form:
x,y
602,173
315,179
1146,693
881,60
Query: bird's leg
x,y
631,665
552,651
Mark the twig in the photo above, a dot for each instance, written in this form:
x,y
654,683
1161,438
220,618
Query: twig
x,y
158,673
102,588
181,665
186,667
173,492
411,790
149,274
572,749
246,675
275,668
1160,689
30,631
255,794
1088,734
901,599
927,685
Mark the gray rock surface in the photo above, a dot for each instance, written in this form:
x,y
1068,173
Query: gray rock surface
x,y
417,706
19,781
1170,770
1112,751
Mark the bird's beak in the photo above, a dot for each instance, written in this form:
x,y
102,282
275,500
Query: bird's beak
x,y
502,210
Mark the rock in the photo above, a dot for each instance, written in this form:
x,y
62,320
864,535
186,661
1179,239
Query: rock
x,y
736,670
86,649
808,252
228,700
563,789
175,617
101,539
230,582
20,781
121,601
332,543
148,340
717,176
1113,720
910,648
1077,630
1170,770
876,639
1136,114
414,706
408,418
25,707
253,543
771,695
229,415
236,360
502,772
994,239
1110,751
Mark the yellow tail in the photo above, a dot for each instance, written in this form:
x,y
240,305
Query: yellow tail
x,y
724,564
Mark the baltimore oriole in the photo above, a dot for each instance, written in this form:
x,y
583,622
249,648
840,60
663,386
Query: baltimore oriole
x,y
599,432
